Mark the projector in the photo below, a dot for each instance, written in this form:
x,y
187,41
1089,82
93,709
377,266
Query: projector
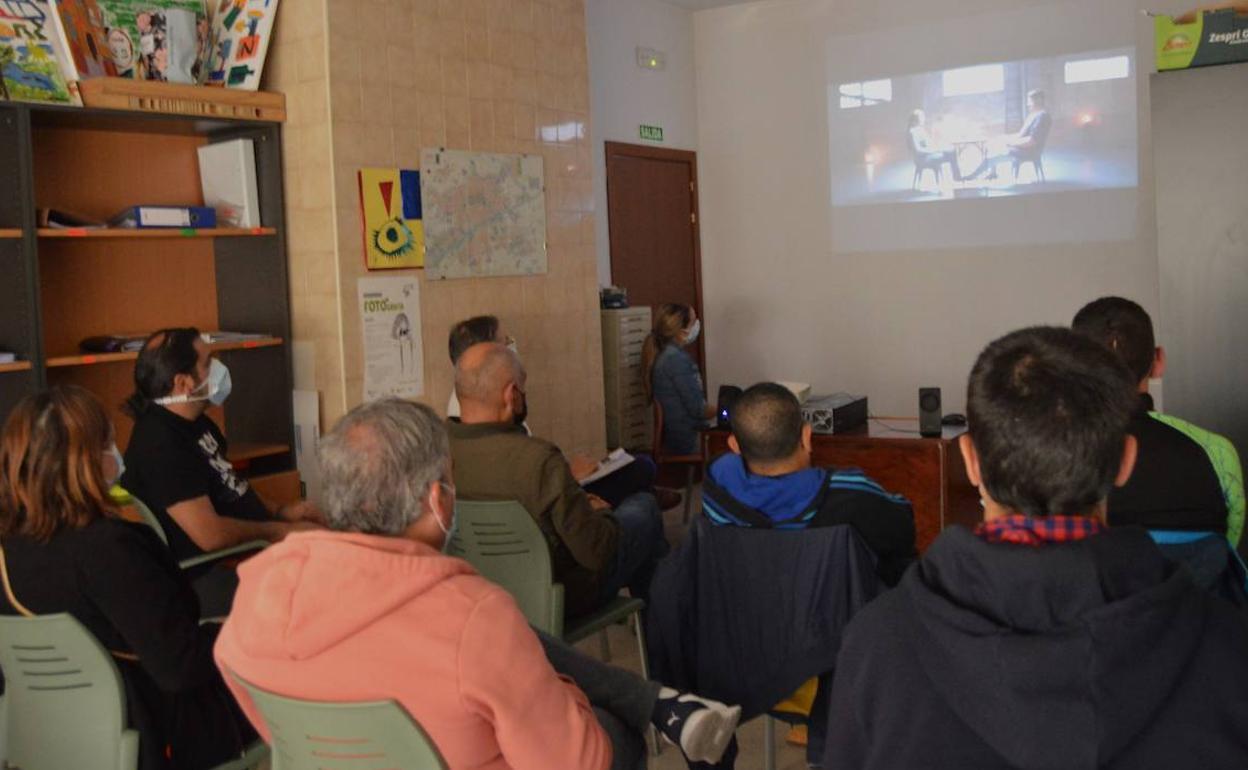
x,y
835,414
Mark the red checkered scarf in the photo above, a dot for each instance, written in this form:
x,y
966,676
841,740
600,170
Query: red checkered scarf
x,y
1039,530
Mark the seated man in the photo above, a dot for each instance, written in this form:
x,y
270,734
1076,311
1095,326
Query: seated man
x,y
637,476
1043,638
1026,144
1185,477
176,461
595,551
407,623
767,481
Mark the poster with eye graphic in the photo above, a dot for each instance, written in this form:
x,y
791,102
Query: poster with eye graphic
x,y
241,31
394,233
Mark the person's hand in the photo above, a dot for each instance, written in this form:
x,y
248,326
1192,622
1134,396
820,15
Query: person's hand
x,y
302,511
598,503
582,466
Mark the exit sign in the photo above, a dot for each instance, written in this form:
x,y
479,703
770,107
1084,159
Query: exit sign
x,y
652,133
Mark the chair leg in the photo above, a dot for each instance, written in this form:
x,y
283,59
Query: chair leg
x,y
688,494
769,742
655,739
914,183
604,646
1039,164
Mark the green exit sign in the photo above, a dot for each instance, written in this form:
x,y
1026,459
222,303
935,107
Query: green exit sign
x,y
652,133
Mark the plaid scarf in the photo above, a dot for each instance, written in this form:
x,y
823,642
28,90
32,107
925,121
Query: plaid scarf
x,y
1039,530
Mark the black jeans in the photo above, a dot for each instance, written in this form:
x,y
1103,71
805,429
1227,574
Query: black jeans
x,y
623,702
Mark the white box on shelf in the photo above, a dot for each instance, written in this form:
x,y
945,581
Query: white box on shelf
x,y
227,176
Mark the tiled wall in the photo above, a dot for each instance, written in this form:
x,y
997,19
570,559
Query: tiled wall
x,y
297,66
483,75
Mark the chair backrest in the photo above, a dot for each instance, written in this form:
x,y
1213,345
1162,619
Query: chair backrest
x,y
503,542
656,444
313,735
123,498
66,702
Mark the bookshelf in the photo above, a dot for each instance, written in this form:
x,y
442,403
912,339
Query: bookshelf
x,y
182,232
63,285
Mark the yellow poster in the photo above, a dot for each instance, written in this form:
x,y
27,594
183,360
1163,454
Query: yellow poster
x,y
394,235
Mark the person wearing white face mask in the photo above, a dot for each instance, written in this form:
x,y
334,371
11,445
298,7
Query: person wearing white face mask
x,y
411,624
671,377
176,459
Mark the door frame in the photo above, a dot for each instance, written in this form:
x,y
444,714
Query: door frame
x,y
647,152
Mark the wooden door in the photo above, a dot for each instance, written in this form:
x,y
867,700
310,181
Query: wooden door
x,y
652,218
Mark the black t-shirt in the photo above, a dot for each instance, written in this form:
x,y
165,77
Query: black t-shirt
x,y
171,460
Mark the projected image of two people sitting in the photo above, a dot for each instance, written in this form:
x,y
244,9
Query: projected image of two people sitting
x,y
1047,125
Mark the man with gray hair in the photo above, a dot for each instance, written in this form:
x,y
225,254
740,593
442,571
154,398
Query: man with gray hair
x,y
595,550
373,610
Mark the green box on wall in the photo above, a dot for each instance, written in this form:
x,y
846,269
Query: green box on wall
x,y
1213,37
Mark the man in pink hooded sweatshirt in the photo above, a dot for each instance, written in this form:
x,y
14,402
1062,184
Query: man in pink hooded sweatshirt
x,y
372,610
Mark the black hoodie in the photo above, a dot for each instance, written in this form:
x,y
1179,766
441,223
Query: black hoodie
x,y
1093,654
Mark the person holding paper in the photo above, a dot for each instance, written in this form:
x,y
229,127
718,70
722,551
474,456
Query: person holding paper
x,y
596,549
622,480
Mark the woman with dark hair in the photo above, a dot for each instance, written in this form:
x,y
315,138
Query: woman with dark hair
x,y
671,377
63,549
177,463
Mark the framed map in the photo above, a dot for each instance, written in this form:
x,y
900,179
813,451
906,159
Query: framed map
x,y
484,214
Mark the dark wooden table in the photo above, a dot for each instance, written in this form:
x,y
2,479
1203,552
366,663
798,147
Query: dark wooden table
x,y
928,471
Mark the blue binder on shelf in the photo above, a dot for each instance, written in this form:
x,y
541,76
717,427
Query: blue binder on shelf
x,y
166,216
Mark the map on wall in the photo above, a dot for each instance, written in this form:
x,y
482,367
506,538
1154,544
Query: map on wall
x,y
484,214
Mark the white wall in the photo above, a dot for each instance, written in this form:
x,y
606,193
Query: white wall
x,y
780,303
624,96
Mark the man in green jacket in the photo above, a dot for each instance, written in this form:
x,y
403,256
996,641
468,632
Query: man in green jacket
x,y
595,550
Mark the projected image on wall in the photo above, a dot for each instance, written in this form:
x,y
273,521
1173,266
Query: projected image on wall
x,y
992,130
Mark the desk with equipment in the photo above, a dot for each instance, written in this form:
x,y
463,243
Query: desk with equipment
x,y
928,471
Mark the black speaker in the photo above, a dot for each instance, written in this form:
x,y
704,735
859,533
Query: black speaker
x,y
728,395
929,411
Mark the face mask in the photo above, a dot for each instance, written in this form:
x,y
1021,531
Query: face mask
x,y
217,387
519,417
120,461
448,532
691,336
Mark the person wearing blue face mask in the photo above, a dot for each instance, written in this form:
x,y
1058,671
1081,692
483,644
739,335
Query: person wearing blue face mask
x,y
672,378
176,461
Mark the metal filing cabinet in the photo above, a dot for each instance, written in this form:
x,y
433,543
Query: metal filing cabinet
x,y
628,411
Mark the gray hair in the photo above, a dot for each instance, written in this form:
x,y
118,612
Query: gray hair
x,y
483,380
378,463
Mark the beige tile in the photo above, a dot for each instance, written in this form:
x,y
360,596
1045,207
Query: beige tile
x,y
451,38
480,82
454,77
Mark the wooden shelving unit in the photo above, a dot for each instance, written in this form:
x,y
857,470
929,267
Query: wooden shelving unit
x,y
60,286
89,359
150,234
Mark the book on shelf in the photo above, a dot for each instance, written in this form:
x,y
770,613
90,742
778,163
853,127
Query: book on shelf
x,y
241,31
113,343
227,176
59,219
166,216
222,337
164,40
7,358
81,33
33,65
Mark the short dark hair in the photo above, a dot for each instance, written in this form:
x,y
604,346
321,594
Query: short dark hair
x,y
1047,410
1122,326
1036,95
767,421
465,334
165,354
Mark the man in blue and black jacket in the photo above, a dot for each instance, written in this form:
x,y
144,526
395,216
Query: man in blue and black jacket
x,y
767,481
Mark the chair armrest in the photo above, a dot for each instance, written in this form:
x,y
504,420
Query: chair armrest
x,y
224,553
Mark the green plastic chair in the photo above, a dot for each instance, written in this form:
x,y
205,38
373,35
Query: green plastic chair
x,y
123,498
311,735
66,701
503,543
